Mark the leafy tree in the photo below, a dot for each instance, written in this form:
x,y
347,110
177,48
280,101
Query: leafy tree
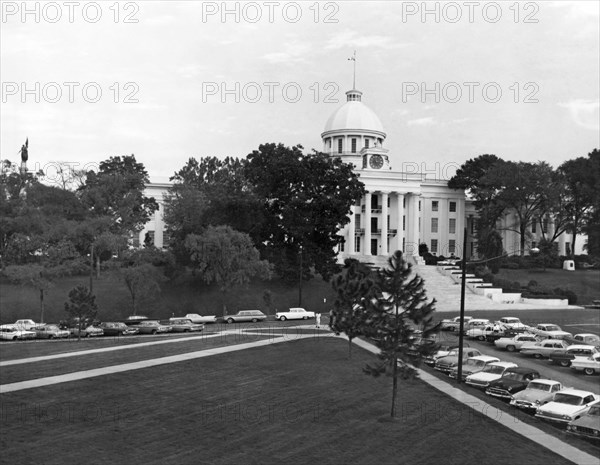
x,y
225,257
489,246
395,314
143,283
470,174
306,199
36,276
81,306
354,286
117,191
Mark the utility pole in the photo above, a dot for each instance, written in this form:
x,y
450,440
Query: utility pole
x,y
461,327
300,281
92,268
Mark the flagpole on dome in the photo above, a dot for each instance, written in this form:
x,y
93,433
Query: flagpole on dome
x,y
353,58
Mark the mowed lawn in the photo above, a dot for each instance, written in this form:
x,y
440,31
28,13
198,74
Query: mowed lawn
x,y
301,401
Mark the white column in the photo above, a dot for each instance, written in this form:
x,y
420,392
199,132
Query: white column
x,y
351,232
400,213
367,245
415,224
384,223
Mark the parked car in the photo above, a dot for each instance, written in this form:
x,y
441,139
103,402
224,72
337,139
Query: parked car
x,y
443,350
587,338
538,392
453,324
473,365
245,315
589,366
51,332
567,405
27,324
551,331
543,348
490,373
152,327
195,318
183,325
475,323
12,333
588,424
514,343
564,357
512,323
513,380
449,362
295,313
88,331
134,320
114,328
481,332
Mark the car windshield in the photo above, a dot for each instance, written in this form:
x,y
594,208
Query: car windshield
x,y
552,328
474,363
594,411
568,399
493,369
51,328
513,375
539,386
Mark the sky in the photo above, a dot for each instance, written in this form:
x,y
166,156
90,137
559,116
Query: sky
x,y
168,80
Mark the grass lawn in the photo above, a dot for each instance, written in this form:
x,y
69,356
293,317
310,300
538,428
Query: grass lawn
x,y
585,283
297,402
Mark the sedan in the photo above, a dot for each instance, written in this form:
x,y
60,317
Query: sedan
x,y
195,318
589,366
294,314
88,331
245,315
183,325
117,329
51,332
490,373
514,343
152,327
568,405
537,393
543,348
587,425
12,333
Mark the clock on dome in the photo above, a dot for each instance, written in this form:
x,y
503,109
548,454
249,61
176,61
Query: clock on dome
x,y
376,162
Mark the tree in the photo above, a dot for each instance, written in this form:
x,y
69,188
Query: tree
x,y
143,283
354,286
393,314
306,199
117,191
489,246
36,276
226,258
81,306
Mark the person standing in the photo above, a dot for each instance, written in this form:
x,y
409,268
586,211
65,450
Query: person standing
x,y
318,319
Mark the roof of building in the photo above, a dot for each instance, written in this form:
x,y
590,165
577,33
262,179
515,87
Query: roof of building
x,y
354,115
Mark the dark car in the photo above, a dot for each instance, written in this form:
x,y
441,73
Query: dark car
x,y
512,381
114,328
564,357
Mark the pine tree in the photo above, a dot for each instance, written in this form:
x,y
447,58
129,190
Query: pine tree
x,y
81,306
400,316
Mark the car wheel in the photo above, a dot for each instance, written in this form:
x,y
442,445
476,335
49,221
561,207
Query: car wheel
x,y
511,348
282,318
87,334
304,317
229,320
153,331
565,363
452,328
481,338
254,320
14,338
588,371
537,355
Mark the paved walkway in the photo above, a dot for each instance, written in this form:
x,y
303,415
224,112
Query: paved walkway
x,y
550,442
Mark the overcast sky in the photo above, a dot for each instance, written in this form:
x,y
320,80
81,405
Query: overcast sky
x,y
160,79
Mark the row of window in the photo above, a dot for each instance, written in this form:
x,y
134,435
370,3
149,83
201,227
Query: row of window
x,y
451,247
353,144
434,204
451,225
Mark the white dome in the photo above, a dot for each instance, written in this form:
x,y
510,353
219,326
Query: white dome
x,y
354,115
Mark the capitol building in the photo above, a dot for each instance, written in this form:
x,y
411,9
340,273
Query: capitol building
x,y
399,211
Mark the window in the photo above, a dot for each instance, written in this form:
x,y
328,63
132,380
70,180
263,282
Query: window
x,y
388,201
434,225
329,143
452,206
452,246
342,243
434,245
452,226
534,226
374,201
136,240
357,220
403,222
353,145
357,243
419,205
373,224
367,143
339,145
545,225
472,226
568,248
404,202
533,244
434,205
149,238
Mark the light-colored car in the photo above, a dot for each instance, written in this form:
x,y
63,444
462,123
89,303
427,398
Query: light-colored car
x,y
543,348
537,393
245,316
551,331
443,349
13,333
512,322
587,425
27,324
449,362
476,323
473,365
514,343
589,366
453,324
490,373
51,332
88,331
481,332
587,338
294,313
564,357
567,405
184,325
152,327
196,318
